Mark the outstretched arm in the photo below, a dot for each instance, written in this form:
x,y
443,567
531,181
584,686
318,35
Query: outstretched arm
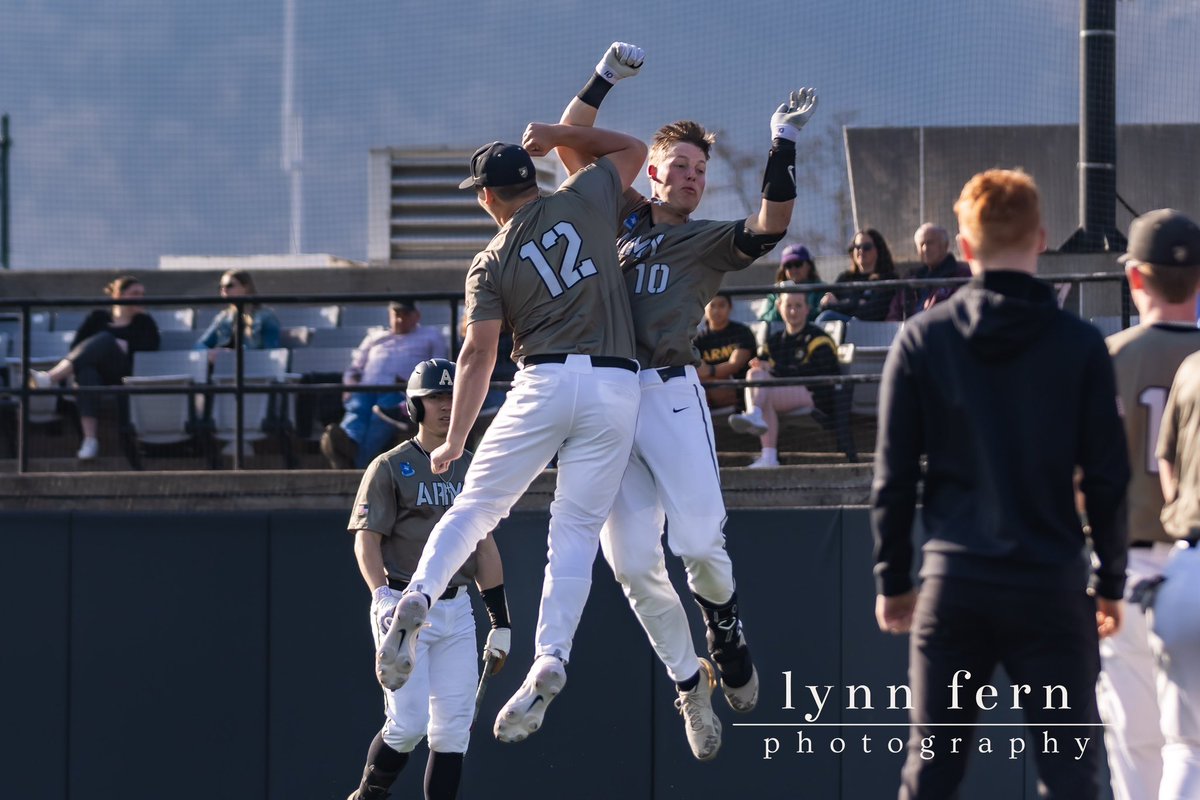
x,y
619,61
779,179
626,152
475,363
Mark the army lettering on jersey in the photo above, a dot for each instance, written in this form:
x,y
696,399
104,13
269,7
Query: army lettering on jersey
x,y
715,347
401,499
671,272
1145,359
551,272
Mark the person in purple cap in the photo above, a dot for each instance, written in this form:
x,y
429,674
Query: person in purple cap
x,y
797,266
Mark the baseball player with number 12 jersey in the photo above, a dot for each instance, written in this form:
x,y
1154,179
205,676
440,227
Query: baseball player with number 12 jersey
x,y
673,266
551,273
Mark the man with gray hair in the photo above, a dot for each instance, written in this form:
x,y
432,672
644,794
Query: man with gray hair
x,y
933,248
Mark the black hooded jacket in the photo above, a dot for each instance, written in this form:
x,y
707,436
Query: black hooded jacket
x,y
1005,394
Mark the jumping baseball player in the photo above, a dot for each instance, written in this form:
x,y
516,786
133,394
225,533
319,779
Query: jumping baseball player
x,y
1135,695
551,273
673,266
399,501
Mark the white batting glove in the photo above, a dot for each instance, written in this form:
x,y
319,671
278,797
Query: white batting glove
x,y
793,115
383,606
620,60
499,642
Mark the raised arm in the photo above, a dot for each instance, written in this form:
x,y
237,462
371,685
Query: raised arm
x,y
626,152
474,373
619,61
779,178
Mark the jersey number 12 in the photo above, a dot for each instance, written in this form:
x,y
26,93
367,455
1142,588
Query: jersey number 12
x,y
569,272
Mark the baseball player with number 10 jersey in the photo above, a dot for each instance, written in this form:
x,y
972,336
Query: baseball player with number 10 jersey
x,y
551,274
673,266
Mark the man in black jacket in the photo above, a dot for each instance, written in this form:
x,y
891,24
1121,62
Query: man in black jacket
x,y
1005,395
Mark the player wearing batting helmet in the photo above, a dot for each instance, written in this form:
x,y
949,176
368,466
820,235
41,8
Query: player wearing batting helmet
x,y
673,266
399,501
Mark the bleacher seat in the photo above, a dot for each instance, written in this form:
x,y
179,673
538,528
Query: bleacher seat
x,y
165,418
290,316
295,337
176,339
871,334
260,368
69,319
360,316
340,337
173,319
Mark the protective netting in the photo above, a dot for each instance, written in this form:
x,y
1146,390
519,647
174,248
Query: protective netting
x,y
142,129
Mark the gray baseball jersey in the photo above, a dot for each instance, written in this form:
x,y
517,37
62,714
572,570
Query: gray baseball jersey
x,y
1180,436
1145,358
671,272
400,498
551,272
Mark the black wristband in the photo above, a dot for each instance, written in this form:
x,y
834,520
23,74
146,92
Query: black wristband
x,y
496,604
594,92
779,178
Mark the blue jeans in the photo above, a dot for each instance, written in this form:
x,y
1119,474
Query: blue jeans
x,y
828,315
372,434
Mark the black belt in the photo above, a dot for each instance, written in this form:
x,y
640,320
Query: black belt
x,y
597,361
666,373
400,586
1141,545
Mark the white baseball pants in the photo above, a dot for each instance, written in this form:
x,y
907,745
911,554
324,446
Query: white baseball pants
x,y
586,415
673,475
1175,634
439,698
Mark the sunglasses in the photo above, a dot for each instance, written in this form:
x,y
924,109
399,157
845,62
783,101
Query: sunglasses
x,y
866,247
230,284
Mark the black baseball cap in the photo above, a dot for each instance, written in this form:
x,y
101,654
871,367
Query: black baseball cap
x,y
499,164
1164,238
403,304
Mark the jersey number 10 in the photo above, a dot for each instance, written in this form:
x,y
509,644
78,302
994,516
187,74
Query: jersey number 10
x,y
569,272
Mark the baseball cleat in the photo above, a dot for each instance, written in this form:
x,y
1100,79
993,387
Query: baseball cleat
x,y
397,653
742,699
701,725
750,423
523,713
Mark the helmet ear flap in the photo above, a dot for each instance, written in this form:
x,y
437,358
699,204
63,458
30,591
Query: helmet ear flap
x,y
415,408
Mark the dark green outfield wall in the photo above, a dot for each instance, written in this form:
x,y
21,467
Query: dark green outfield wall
x,y
227,655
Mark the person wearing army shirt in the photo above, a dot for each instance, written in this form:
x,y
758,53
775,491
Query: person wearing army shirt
x,y
1138,697
398,502
550,274
674,264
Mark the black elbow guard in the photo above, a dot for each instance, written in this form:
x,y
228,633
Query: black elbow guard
x,y
779,178
755,244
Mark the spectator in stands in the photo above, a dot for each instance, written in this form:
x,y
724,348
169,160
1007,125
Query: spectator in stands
x,y
260,326
870,260
102,354
800,350
726,347
933,250
798,267
384,357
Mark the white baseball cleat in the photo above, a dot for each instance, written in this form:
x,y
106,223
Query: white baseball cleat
x,y
743,699
397,653
523,713
751,423
701,725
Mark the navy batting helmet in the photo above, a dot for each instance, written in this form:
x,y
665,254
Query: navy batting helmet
x,y
435,376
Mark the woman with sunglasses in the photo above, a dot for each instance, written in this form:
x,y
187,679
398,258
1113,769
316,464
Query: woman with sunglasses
x,y
102,354
260,326
870,260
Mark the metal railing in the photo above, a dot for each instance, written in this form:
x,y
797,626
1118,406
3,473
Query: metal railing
x,y
25,307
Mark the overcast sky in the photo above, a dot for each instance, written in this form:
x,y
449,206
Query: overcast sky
x,y
152,127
